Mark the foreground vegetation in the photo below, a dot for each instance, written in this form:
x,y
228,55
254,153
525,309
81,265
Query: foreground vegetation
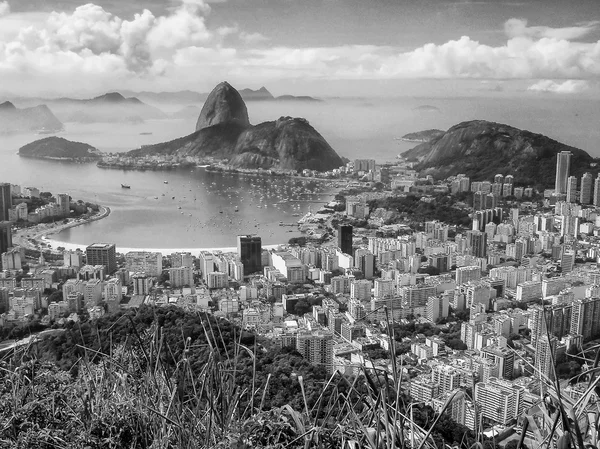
x,y
164,378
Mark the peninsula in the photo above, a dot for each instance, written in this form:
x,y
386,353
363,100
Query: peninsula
x,y
223,133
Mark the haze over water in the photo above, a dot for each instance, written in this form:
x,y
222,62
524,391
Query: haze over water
x,y
356,128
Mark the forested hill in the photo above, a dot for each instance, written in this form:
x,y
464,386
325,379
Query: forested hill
x,y
481,149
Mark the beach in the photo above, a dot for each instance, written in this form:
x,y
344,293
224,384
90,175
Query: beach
x,y
25,237
43,233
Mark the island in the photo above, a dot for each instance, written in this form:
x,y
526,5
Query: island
x,y
58,148
427,108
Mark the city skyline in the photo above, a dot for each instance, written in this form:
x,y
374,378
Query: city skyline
x,y
335,48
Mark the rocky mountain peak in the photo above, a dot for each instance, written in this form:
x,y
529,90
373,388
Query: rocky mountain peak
x,y
224,105
111,97
7,105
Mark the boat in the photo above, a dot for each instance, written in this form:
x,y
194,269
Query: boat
x,y
165,182
146,134
125,186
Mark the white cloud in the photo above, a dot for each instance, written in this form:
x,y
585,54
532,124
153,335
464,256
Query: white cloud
x,y
564,87
518,27
91,45
4,8
253,38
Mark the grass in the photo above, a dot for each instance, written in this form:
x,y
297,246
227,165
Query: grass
x,y
131,398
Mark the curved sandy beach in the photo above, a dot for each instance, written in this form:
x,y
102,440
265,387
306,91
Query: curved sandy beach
x,y
43,234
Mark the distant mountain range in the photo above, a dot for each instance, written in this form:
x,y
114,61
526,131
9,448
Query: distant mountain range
x,y
481,149
49,114
191,97
110,107
60,149
38,119
223,131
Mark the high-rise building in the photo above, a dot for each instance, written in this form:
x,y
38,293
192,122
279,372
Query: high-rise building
x,y
92,293
345,238
437,307
597,191
499,400
5,236
545,354
250,253
467,274
585,195
503,357
361,289
142,284
5,201
181,276
316,347
572,189
207,263
479,200
585,318
478,243
64,203
366,264
563,165
102,254
145,262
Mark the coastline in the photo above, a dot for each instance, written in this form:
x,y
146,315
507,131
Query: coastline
x,y
42,232
24,237
163,251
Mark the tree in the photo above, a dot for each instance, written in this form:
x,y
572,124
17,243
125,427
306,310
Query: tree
x,y
457,344
300,241
164,277
56,296
302,307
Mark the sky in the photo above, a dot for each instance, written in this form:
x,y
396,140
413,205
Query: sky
x,y
311,47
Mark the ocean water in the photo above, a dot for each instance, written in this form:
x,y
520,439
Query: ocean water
x,y
197,209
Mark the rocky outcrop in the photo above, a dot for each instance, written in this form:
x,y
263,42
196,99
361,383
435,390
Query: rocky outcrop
x,y
223,131
224,105
480,149
423,136
38,118
59,148
288,143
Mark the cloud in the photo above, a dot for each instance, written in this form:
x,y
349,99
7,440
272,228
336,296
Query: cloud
x,y
565,87
518,28
178,49
4,8
253,38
